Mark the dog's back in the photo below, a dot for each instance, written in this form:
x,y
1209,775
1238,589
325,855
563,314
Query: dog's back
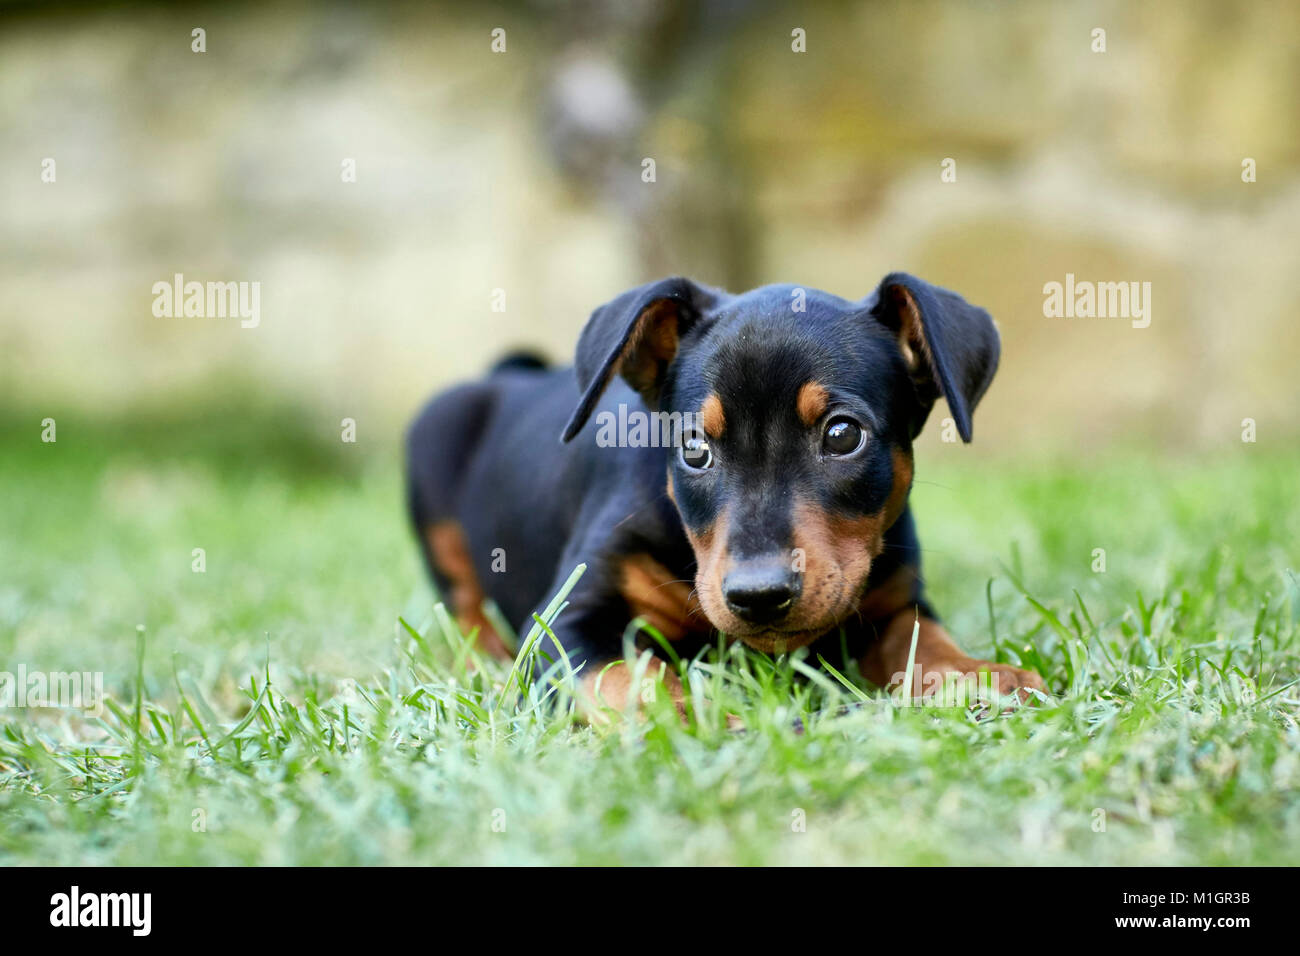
x,y
493,495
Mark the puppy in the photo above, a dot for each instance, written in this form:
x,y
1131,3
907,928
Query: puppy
x,y
747,472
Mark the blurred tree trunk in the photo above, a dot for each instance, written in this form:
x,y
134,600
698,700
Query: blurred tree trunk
x,y
657,83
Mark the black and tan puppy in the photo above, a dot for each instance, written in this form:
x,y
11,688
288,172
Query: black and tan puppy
x,y
747,471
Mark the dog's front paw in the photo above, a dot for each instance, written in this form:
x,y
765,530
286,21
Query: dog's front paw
x,y
607,693
965,681
1003,679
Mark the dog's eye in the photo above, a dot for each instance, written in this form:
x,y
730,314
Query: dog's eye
x,y
843,437
696,454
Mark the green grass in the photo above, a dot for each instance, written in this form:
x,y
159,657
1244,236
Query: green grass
x,y
285,705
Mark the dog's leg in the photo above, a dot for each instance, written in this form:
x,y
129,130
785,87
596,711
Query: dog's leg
x,y
454,573
609,689
618,586
885,662
443,437
605,684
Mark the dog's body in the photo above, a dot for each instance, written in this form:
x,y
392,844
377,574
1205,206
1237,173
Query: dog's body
x,y
778,517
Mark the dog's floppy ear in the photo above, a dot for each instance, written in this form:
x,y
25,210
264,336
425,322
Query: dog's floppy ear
x,y
950,346
636,336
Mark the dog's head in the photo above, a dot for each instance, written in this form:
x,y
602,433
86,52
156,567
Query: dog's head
x,y
801,408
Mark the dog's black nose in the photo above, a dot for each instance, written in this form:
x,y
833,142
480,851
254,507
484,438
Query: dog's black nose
x,y
761,593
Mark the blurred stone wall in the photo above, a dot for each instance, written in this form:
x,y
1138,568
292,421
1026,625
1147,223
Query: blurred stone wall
x,y
522,171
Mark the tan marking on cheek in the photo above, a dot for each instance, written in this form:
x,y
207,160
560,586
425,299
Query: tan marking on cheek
x,y
712,419
450,553
656,594
838,551
902,487
811,402
711,560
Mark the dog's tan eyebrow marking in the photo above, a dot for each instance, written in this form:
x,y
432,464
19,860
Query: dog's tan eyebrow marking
x,y
812,402
712,419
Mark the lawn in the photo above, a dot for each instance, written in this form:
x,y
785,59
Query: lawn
x,y
300,700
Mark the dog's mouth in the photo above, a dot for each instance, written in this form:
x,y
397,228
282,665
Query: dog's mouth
x,y
803,625
775,638
772,641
